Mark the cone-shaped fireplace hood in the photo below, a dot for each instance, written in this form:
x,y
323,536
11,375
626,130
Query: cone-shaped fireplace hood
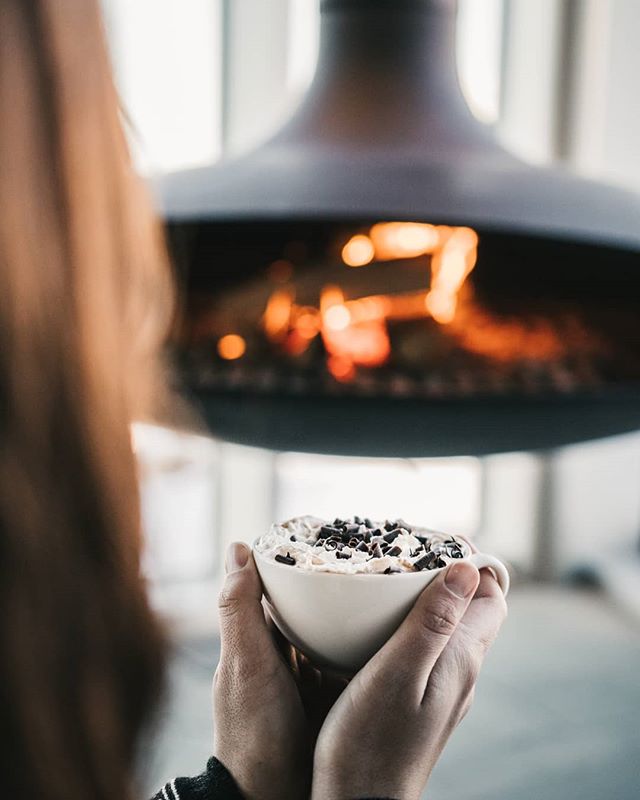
x,y
384,131
285,346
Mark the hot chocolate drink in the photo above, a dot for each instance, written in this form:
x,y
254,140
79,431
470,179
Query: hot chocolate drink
x,y
359,545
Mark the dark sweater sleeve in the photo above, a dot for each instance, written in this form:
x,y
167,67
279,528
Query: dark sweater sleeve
x,y
216,783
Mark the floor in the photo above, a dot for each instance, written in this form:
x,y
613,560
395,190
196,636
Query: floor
x,y
556,717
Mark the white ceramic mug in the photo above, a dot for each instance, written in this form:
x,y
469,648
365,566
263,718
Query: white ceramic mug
x,y
340,620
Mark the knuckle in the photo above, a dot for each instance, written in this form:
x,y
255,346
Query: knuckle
x,y
440,618
229,598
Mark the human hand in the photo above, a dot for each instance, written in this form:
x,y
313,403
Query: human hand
x,y
385,733
269,702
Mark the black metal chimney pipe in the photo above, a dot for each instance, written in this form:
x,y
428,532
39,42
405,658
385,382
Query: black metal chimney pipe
x,y
384,133
386,76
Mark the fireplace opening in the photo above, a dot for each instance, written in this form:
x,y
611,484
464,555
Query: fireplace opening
x,y
389,311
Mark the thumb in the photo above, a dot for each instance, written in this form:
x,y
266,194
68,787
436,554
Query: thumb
x,y
410,654
243,630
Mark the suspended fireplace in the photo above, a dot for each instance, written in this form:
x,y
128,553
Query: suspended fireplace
x,y
382,278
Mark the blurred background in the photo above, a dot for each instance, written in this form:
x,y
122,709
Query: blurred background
x,y
556,716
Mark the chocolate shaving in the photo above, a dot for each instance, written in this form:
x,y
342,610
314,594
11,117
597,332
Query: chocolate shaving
x,y
362,547
376,552
389,537
391,571
341,554
426,562
288,560
331,544
394,551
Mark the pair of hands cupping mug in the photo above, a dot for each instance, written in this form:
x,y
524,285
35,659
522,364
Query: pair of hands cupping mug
x,y
413,610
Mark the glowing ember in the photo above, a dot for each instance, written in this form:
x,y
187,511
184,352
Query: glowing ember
x,y
277,315
355,331
307,323
511,340
337,318
331,296
358,251
395,240
341,368
231,347
366,344
450,267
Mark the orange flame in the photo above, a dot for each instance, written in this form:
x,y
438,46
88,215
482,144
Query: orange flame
x,y
231,347
450,267
277,315
358,251
354,332
505,340
341,368
394,240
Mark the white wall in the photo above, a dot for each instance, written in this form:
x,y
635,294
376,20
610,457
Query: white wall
x,y
167,56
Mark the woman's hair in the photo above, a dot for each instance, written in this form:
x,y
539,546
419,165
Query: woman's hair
x,y
85,303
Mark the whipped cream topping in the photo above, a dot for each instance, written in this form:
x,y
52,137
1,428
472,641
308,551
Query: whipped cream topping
x,y
359,545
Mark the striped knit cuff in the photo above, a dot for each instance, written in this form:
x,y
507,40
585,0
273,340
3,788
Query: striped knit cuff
x,y
216,783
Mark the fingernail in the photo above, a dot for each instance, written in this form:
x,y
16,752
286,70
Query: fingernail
x,y
237,556
461,579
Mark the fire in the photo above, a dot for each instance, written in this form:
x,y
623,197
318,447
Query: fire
x,y
359,338
307,323
355,331
331,296
450,268
335,314
337,318
365,345
506,340
277,315
341,368
394,240
231,347
358,251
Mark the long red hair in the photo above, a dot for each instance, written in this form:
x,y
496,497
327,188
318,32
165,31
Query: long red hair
x,y
85,304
